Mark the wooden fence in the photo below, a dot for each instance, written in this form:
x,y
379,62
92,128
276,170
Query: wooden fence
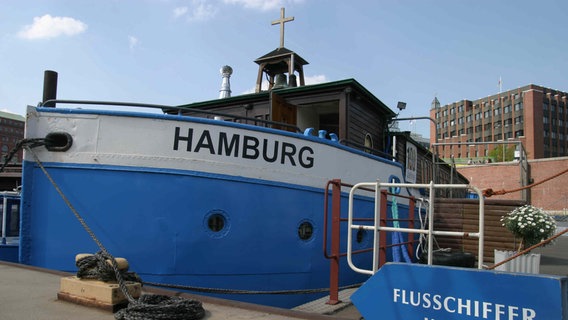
x,y
463,215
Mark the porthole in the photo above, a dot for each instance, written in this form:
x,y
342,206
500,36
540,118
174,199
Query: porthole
x,y
306,230
360,238
217,223
360,235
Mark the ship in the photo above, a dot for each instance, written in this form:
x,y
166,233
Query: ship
x,y
226,194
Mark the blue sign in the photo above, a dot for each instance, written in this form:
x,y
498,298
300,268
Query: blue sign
x,y
401,291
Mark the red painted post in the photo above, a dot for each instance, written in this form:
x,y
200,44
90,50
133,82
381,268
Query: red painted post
x,y
335,239
410,245
383,234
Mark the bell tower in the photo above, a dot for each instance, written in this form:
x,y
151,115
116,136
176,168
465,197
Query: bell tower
x,y
281,63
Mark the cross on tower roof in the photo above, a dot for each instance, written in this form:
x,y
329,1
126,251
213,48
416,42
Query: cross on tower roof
x,y
281,22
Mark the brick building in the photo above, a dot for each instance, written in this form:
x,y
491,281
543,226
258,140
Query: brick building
x,y
534,115
550,195
11,131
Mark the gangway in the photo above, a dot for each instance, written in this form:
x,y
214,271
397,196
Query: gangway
x,y
379,225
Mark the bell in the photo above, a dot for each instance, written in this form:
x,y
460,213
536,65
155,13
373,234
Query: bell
x,y
292,81
280,81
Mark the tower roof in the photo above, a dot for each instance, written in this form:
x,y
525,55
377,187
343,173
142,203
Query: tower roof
x,y
277,61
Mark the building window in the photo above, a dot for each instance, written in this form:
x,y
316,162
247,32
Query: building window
x,y
497,111
469,118
507,109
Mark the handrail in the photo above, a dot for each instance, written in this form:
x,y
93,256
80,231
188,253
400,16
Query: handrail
x,y
180,110
377,152
377,228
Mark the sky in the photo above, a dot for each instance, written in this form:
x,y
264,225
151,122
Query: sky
x,y
170,52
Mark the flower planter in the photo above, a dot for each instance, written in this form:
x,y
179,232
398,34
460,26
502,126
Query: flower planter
x,y
527,263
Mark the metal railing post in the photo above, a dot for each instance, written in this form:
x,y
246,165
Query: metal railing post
x,y
335,245
383,223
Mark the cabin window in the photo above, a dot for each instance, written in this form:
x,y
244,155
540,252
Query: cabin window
x,y
306,230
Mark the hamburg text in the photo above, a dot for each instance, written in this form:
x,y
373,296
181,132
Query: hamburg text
x,y
244,146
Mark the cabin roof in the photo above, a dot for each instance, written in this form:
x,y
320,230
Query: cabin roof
x,y
289,91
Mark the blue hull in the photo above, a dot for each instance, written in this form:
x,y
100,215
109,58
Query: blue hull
x,y
9,252
158,220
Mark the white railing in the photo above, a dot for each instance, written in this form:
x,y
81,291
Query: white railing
x,y
430,232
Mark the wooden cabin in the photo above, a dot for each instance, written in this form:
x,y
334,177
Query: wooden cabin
x,y
345,108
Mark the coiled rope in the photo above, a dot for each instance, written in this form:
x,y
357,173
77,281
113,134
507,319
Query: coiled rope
x,y
148,307
96,267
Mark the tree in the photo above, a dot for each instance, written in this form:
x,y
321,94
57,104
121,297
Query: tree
x,y
498,155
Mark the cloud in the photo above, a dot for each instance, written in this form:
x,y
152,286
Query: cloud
x,y
132,42
263,5
320,78
47,27
199,11
180,11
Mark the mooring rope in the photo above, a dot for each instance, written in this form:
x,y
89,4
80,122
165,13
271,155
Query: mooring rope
x,y
490,192
238,291
96,267
147,307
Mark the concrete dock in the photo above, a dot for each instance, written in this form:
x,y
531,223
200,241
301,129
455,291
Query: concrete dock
x,y
31,293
